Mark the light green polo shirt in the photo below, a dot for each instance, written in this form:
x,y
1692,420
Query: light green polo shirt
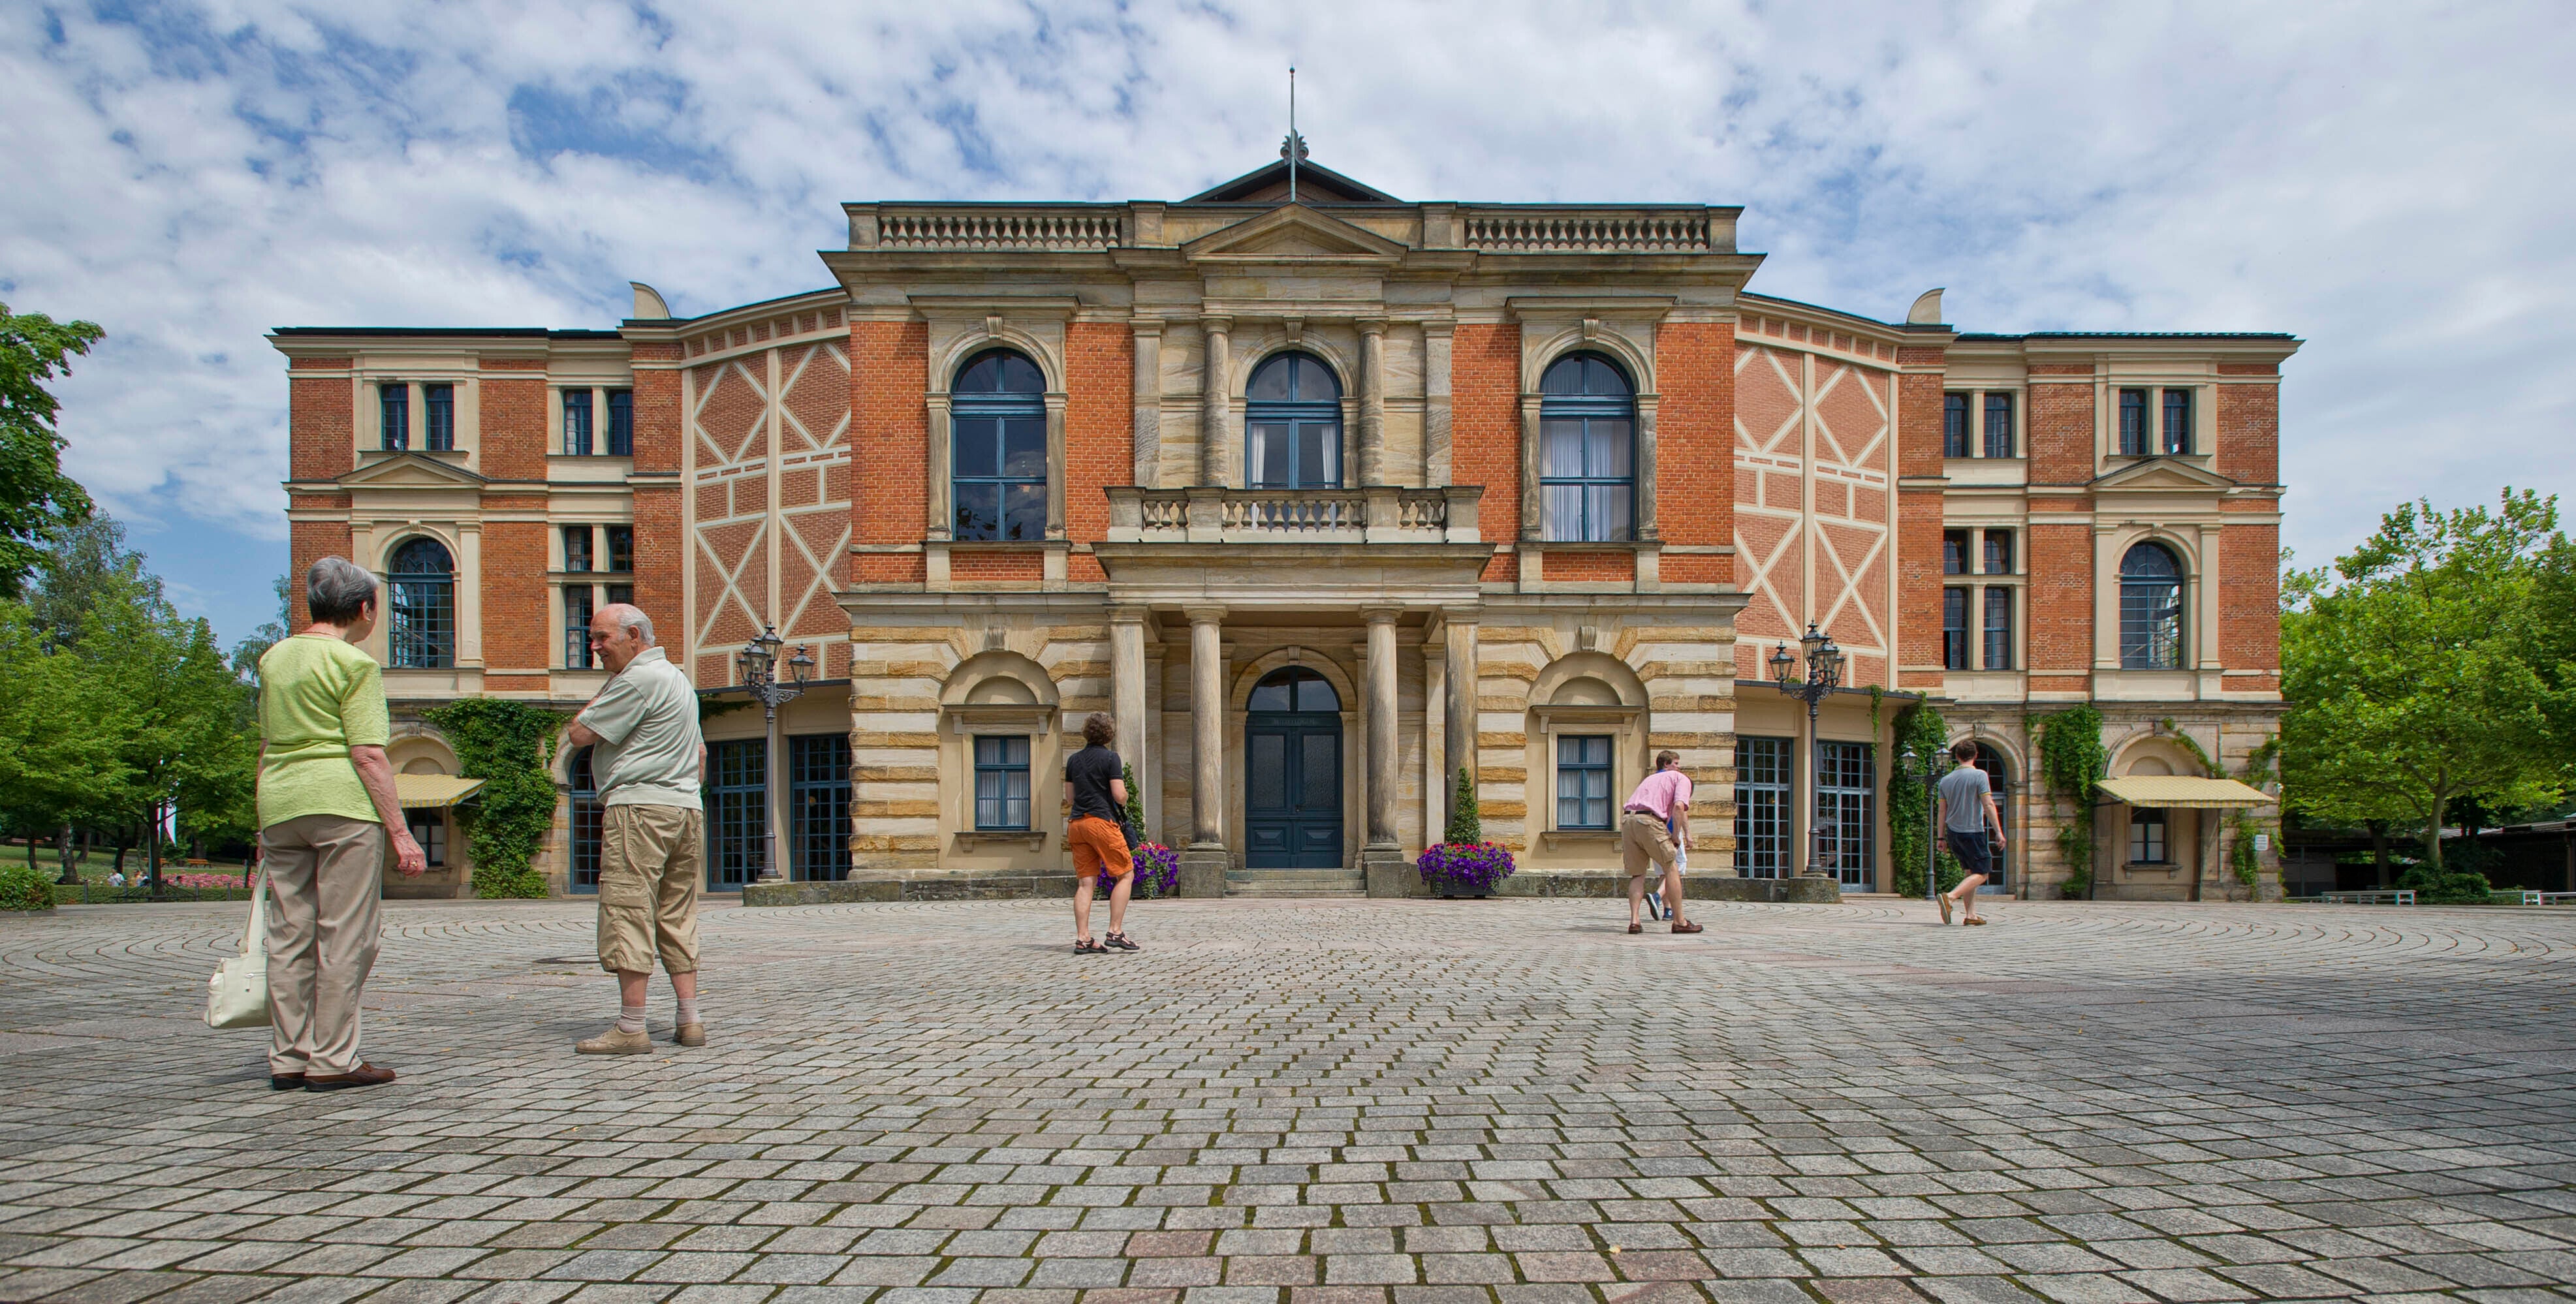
x,y
318,697
647,722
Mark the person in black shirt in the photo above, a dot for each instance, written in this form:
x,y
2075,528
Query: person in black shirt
x,y
1096,789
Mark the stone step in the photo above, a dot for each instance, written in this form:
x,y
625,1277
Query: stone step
x,y
1296,882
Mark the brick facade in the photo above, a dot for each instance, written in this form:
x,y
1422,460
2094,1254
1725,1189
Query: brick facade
x,y
889,435
1485,429
1694,447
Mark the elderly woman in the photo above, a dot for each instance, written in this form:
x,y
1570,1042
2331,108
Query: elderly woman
x,y
326,806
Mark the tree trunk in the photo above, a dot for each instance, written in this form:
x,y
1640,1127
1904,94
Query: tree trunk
x,y
2379,849
2433,835
67,855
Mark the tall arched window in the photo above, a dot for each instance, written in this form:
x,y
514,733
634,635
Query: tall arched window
x,y
1587,422
2150,608
1292,425
423,630
997,449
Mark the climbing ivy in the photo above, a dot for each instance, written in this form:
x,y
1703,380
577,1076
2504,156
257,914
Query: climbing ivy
x,y
511,747
2241,860
2074,761
1909,806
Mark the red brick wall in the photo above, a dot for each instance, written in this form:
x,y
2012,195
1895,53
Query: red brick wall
x,y
1485,430
2061,602
657,413
1099,434
661,554
320,441
514,420
515,561
1016,566
2249,599
1918,520
2060,425
2249,426
1595,567
1695,447
312,541
890,436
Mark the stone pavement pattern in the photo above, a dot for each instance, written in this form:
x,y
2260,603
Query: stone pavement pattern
x,y
1311,1102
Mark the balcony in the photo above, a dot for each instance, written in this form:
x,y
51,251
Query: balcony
x,y
1376,514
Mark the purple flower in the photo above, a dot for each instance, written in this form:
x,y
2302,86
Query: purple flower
x,y
1158,870
1465,866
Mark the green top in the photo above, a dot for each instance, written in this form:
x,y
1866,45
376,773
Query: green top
x,y
647,722
318,697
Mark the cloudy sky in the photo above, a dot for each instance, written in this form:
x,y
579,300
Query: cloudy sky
x,y
2391,183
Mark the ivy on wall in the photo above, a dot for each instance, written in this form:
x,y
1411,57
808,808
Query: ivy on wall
x,y
511,747
2241,859
1909,806
2074,761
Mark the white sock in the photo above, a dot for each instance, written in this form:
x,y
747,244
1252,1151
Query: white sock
x,y
630,1018
688,1010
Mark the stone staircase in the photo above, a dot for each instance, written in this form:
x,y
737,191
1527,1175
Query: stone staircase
x,y
1296,883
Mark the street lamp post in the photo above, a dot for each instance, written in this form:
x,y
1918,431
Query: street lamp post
x,y
759,662
1824,675
1932,825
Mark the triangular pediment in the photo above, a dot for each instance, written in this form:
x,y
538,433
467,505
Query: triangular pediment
x,y
412,471
2161,474
1293,233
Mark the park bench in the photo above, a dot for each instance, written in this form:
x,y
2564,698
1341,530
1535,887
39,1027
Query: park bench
x,y
2403,896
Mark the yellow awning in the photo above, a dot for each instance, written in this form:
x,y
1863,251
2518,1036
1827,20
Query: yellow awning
x,y
433,791
2176,791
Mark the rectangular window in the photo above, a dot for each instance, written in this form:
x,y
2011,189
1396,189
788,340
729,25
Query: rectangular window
x,y
1999,616
1846,813
624,593
577,612
1001,781
621,549
2151,624
393,413
588,816
1954,552
2133,423
737,796
429,829
998,465
577,422
2146,837
1954,425
621,423
818,807
1762,807
1954,629
2177,421
1583,782
1587,473
1999,425
576,547
1999,552
438,409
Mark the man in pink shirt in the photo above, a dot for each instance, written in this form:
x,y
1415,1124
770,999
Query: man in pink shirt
x,y
1652,827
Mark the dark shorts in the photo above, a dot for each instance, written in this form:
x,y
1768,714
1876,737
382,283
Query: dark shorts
x,y
1975,853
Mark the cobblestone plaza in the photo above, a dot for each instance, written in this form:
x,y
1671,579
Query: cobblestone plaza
x,y
1297,1102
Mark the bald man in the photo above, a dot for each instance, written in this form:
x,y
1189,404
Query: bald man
x,y
648,760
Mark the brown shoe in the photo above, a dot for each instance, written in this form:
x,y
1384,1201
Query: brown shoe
x,y
1944,899
690,1034
615,1042
365,1075
286,1082
1636,928
1972,919
1686,928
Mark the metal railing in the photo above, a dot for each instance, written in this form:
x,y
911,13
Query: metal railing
x,y
1374,514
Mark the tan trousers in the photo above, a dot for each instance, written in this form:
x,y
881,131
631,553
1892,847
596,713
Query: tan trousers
x,y
1644,843
325,887
650,858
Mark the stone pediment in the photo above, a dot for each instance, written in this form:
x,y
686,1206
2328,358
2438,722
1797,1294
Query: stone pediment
x,y
2162,475
412,471
1292,233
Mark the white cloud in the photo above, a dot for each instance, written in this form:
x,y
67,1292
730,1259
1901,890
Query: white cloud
x,y
2387,183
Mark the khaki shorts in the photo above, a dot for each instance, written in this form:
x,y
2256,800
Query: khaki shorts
x,y
1643,840
650,858
1098,846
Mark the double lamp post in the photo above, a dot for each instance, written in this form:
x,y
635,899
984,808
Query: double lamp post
x,y
759,662
1824,675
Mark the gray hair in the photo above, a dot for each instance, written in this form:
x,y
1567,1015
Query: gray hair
x,y
630,618
337,590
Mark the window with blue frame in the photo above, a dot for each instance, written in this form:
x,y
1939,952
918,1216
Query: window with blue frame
x,y
818,807
737,797
1999,425
587,817
1761,807
1847,813
2178,421
421,634
577,614
393,414
2150,608
1001,781
1587,424
2133,423
1954,425
438,417
997,450
621,423
1583,782
1999,605
576,409
1292,425
1954,629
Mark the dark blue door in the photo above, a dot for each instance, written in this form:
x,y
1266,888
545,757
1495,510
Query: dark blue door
x,y
1292,773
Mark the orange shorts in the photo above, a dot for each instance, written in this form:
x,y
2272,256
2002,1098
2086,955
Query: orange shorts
x,y
1097,844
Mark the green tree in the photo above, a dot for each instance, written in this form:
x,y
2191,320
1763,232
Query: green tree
x,y
37,501
59,761
2419,671
247,652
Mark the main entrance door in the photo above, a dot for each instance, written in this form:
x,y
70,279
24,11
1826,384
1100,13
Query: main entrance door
x,y
1292,772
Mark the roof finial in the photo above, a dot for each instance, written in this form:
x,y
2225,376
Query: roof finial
x,y
1293,148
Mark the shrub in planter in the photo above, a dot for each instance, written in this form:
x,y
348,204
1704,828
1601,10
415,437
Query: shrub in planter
x,y
1158,871
22,888
1465,867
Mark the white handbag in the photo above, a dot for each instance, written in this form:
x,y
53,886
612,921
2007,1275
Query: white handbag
x,y
237,995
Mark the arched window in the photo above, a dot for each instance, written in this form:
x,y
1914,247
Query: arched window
x,y
2150,609
1295,689
423,632
1292,425
997,449
1587,423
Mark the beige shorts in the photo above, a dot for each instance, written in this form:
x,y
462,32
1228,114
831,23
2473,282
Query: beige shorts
x,y
1644,841
650,858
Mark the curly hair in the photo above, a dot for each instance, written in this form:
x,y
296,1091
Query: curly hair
x,y
1098,729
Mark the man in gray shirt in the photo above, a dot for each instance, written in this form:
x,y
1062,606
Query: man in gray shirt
x,y
647,759
1967,815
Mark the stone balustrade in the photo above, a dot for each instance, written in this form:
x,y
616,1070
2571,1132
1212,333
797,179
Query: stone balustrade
x,y
1374,514
1584,230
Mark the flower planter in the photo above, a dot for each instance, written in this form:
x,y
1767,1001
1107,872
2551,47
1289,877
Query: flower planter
x,y
1464,869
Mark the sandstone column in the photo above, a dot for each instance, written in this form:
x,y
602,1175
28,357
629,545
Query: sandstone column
x,y
1372,402
1204,864
1127,684
1382,858
1213,407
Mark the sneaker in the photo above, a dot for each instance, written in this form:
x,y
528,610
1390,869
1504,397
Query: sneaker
x,y
1945,907
690,1034
1655,906
1119,942
615,1042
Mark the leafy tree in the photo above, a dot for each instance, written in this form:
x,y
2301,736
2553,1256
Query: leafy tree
x,y
2420,670
37,501
58,732
246,653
